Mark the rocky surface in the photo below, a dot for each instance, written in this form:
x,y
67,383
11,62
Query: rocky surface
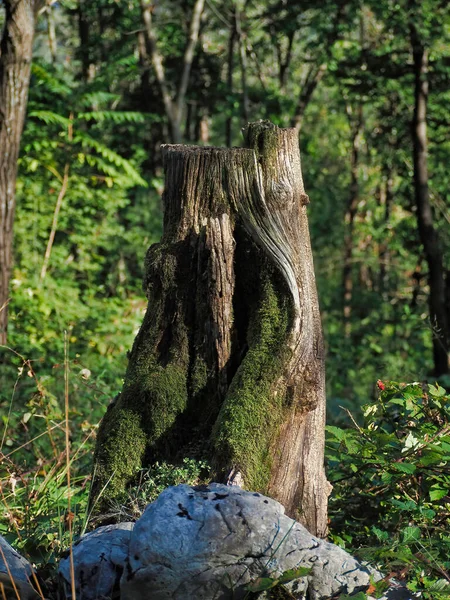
x,y
211,541
199,543
16,573
99,559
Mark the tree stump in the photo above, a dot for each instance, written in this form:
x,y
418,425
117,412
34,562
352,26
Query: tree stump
x,y
229,361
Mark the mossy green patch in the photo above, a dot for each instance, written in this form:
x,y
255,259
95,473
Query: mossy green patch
x,y
120,449
155,390
253,408
159,394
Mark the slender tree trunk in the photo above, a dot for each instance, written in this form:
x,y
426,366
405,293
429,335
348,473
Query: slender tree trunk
x,y
386,198
317,70
313,78
51,30
350,214
15,63
150,100
428,233
203,128
283,63
229,361
58,205
174,107
84,47
243,65
230,68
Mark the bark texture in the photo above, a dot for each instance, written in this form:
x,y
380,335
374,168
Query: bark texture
x,y
15,63
229,361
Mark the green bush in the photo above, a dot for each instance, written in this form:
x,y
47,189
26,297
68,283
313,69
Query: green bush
x,y
391,485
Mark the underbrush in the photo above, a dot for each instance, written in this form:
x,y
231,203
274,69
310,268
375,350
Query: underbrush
x,y
46,448
45,455
390,503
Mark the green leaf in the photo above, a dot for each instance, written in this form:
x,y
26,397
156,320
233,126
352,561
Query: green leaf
x,y
261,584
338,433
436,390
381,535
50,118
44,78
441,585
351,444
292,574
436,492
117,117
404,467
411,534
111,156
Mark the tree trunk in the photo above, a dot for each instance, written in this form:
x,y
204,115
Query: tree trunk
x,y
51,31
230,68
229,361
243,65
15,64
428,234
386,198
350,214
174,107
84,46
313,78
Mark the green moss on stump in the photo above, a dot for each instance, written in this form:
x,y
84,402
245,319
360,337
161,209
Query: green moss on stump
x,y
119,453
159,394
151,405
155,389
253,408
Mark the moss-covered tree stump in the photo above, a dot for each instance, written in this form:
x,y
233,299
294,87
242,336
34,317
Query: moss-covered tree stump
x,y
229,361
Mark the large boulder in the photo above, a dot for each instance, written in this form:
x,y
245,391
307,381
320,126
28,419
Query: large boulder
x,y
211,541
16,574
99,558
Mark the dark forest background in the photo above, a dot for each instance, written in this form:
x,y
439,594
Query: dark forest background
x,y
98,111
366,83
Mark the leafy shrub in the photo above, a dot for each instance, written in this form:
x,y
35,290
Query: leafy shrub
x,y
36,499
41,508
152,482
391,478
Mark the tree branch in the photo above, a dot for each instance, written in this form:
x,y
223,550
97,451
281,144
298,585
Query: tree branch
x,y
173,107
189,56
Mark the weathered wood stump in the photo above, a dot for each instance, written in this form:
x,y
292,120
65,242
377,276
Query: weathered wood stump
x,y
229,361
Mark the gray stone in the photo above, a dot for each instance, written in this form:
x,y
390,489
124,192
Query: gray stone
x,y
99,558
209,542
15,572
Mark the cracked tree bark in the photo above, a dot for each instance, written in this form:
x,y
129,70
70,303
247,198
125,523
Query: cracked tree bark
x,y
229,361
15,65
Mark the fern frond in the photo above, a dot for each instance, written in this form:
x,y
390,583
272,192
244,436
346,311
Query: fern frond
x,y
50,118
109,155
45,78
99,98
117,117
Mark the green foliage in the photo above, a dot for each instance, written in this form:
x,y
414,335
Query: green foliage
x,y
391,485
155,480
107,123
37,501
